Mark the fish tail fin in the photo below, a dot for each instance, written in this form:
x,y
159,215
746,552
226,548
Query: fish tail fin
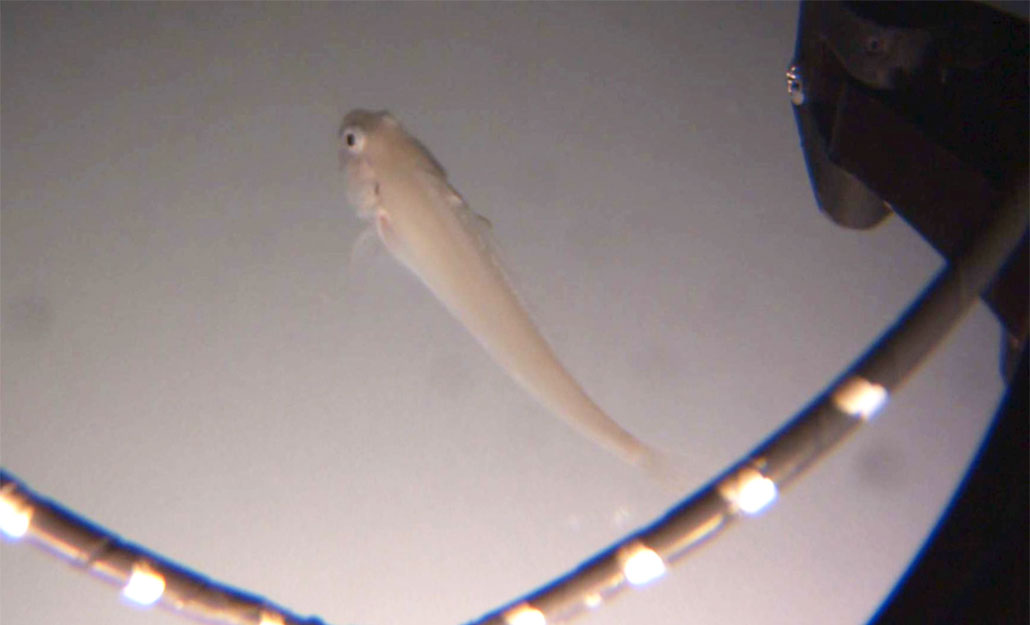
x,y
661,468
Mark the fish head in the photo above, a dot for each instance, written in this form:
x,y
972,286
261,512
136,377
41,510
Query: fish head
x,y
365,140
374,149
362,132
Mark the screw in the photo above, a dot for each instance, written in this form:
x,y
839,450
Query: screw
x,y
795,86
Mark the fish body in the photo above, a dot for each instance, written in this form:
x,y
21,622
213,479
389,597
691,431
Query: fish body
x,y
394,182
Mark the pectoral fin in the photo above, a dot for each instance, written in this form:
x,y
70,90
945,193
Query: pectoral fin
x,y
387,234
482,223
364,246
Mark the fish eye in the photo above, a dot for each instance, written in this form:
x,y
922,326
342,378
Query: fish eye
x,y
353,138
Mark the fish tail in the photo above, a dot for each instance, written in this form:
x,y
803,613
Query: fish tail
x,y
660,468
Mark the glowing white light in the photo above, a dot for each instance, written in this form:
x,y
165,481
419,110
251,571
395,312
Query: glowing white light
x,y
748,490
271,618
524,615
145,586
642,565
14,518
593,600
859,397
756,493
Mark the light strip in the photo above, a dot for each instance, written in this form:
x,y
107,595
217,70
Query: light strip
x,y
747,490
641,565
144,578
145,585
15,514
858,397
524,615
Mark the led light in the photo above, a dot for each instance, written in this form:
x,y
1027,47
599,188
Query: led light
x,y
145,586
748,490
642,565
15,517
593,600
269,617
756,494
524,614
859,397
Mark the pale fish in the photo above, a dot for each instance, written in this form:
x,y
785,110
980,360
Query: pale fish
x,y
394,182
